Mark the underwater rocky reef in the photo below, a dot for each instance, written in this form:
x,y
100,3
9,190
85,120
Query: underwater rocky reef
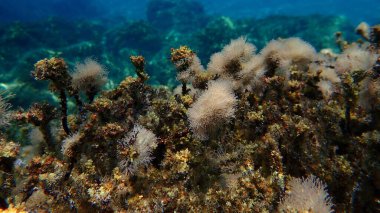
x,y
284,129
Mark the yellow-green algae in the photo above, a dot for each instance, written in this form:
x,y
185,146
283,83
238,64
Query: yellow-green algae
x,y
287,130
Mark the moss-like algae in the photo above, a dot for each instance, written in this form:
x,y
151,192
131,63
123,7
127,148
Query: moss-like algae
x,y
281,128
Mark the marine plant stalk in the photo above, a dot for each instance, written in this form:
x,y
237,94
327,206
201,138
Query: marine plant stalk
x,y
63,98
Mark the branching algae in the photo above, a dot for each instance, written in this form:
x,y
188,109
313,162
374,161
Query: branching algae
x,y
285,129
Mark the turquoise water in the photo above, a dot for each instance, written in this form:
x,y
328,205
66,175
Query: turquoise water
x,y
112,30
26,10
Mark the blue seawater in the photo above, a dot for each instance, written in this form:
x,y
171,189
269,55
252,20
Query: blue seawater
x,y
25,10
112,30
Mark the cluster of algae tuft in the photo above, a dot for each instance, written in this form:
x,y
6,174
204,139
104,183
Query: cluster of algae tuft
x,y
234,137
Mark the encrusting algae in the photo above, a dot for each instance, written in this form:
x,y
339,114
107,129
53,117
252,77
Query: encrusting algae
x,y
285,129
